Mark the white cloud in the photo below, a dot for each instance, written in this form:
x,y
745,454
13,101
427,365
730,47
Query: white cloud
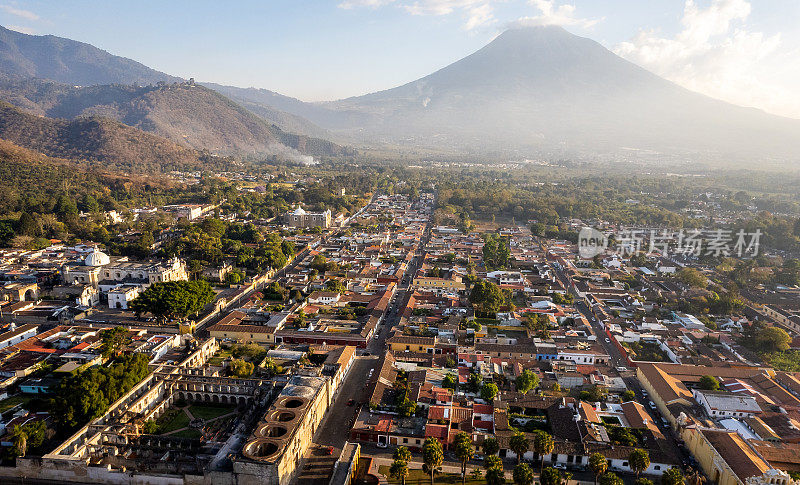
x,y
552,14
475,12
21,29
717,54
480,15
25,14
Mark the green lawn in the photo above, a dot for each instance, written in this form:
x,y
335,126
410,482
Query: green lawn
x,y
418,477
12,401
171,420
188,433
209,411
219,356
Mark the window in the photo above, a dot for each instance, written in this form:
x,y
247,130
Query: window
x,y
657,467
405,440
624,463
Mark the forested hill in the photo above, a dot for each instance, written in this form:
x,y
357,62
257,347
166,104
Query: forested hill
x,y
117,146
69,61
185,113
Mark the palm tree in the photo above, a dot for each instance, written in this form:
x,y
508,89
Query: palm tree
x,y
543,444
401,453
519,444
399,470
432,455
694,477
599,464
490,446
462,445
523,475
20,440
639,461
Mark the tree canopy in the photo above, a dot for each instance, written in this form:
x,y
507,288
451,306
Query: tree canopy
x,y
174,299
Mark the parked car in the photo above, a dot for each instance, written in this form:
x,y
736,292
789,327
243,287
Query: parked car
x,y
560,466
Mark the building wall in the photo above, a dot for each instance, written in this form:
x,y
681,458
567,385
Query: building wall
x,y
710,461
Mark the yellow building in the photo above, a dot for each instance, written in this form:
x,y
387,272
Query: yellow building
x,y
232,327
408,343
724,456
429,282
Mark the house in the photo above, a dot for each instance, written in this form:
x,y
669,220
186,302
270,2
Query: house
x,y
121,296
324,297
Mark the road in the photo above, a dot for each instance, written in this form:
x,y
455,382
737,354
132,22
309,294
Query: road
x,y
335,428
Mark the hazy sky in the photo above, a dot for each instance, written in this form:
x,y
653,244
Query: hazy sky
x,y
745,52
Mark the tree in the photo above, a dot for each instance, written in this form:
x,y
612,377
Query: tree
x,y
112,339
709,383
519,444
610,478
495,474
523,475
639,461
490,447
335,286
673,476
241,368
492,461
150,427
643,481
487,296
399,471
88,395
489,391
543,444
462,445
432,456
407,408
402,453
174,299
526,381
27,436
550,476
773,339
628,395
692,277
449,382
598,464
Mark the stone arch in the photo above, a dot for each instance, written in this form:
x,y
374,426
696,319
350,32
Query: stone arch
x,y
215,398
207,398
242,400
30,295
224,399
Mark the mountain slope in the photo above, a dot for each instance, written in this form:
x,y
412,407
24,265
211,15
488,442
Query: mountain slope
x,y
114,145
542,88
185,113
271,106
69,61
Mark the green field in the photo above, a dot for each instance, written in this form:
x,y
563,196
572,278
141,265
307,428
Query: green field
x,y
171,420
210,411
12,401
219,356
418,477
188,433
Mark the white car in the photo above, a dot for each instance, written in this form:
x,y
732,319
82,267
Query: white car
x,y
560,466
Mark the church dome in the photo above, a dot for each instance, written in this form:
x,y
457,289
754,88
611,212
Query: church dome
x,y
299,212
96,258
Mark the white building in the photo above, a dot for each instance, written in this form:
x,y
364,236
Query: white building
x,y
726,405
122,295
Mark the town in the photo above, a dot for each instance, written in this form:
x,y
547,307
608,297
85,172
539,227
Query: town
x,y
392,343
